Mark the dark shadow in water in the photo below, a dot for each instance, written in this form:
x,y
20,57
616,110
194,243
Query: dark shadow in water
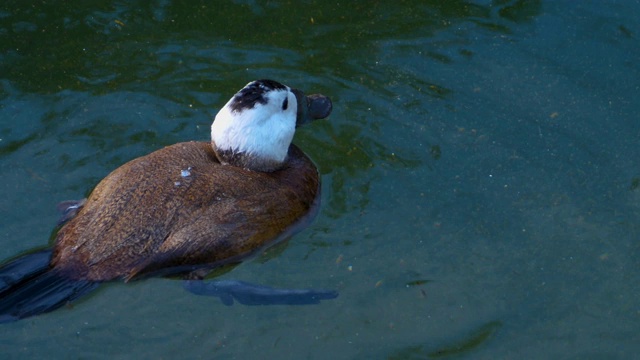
x,y
457,347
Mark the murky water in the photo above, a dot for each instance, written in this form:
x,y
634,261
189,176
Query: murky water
x,y
481,192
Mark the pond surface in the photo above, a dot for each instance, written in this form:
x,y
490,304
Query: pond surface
x,y
481,188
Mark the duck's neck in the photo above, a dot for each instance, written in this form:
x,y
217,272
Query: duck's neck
x,y
246,160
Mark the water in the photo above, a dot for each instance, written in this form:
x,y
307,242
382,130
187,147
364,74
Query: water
x,y
480,181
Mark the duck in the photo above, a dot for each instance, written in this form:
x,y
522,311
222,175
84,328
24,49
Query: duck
x,y
185,210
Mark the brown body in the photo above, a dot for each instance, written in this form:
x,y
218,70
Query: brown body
x,y
177,210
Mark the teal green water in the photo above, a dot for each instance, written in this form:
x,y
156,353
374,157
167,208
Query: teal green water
x,y
481,189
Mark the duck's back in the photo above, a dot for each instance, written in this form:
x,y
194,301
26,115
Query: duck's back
x,y
179,209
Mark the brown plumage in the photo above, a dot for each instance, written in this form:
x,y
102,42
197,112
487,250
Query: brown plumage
x,y
178,209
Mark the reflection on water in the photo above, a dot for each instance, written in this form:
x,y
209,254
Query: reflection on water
x,y
479,168
48,47
466,345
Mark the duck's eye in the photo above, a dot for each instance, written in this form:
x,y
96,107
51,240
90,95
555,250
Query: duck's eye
x,y
285,104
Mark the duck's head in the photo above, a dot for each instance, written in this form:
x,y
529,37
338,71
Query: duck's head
x,y
255,128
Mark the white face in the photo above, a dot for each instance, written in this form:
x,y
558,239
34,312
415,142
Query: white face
x,y
259,121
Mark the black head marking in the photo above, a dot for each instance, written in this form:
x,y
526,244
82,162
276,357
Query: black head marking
x,y
254,93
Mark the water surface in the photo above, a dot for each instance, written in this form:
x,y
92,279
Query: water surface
x,y
481,191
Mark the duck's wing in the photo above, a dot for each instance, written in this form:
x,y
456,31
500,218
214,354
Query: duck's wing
x,y
132,211
227,231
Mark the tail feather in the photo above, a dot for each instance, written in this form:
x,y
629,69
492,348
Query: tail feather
x,y
23,268
28,287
